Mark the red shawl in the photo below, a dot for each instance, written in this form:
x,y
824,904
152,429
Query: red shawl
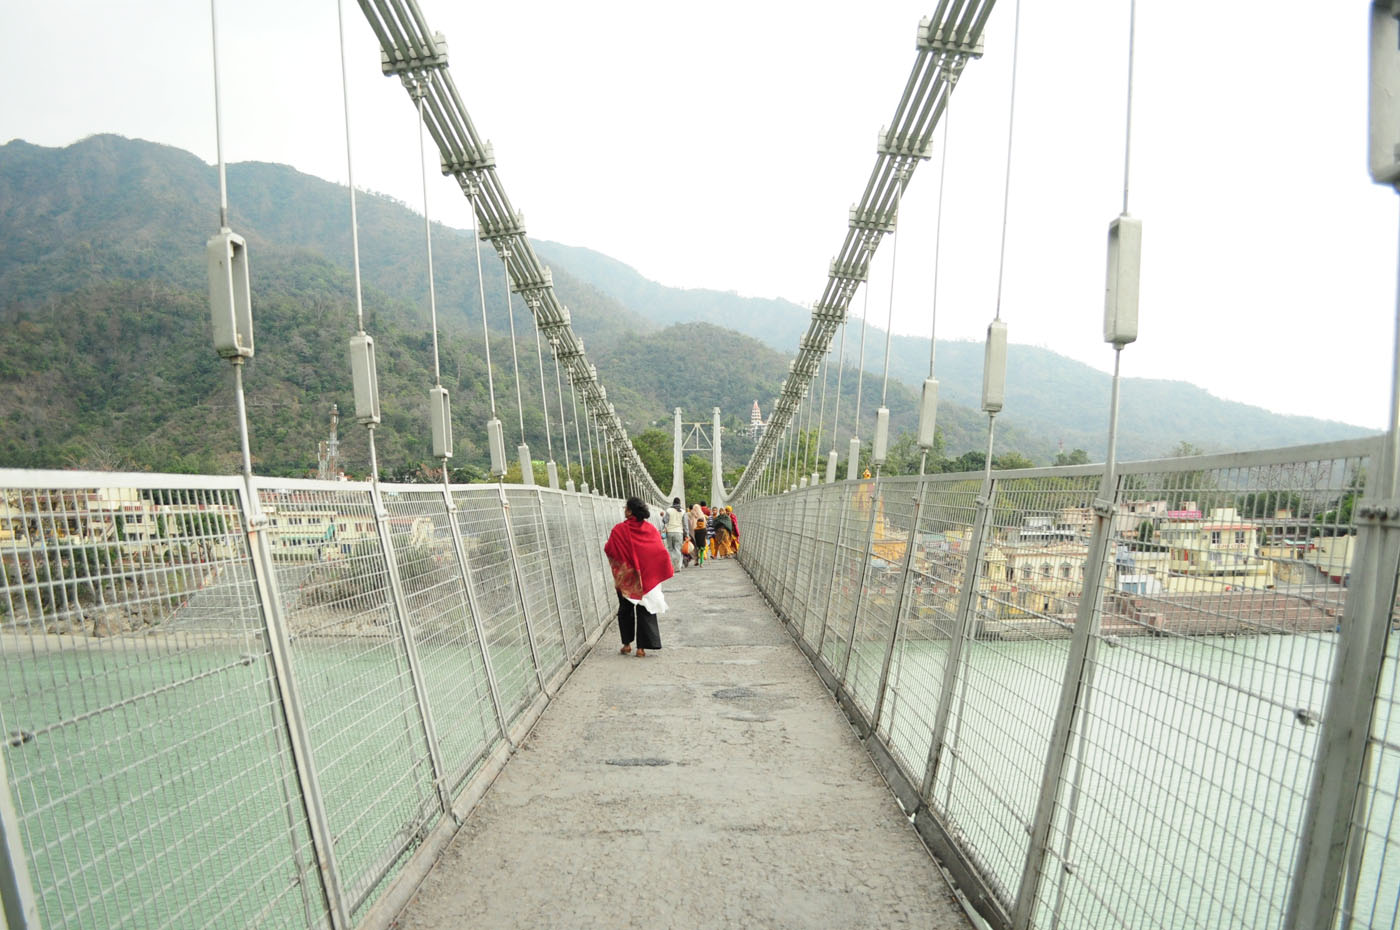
x,y
638,558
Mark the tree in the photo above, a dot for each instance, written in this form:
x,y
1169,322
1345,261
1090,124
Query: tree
x,y
1076,457
1012,460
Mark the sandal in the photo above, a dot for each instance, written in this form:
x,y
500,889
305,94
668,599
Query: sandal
x,y
626,649
641,653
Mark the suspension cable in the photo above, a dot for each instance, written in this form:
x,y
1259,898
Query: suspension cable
x,y
937,256
821,417
559,391
472,190
900,181
840,370
1128,127
514,355
869,247
218,118
1010,132
578,438
349,174
534,306
419,92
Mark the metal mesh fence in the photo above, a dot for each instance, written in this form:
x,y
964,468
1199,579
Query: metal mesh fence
x,y
1186,754
881,580
440,619
1210,666
561,535
347,652
929,622
852,526
145,744
536,579
483,525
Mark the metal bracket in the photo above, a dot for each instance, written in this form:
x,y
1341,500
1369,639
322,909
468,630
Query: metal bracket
x,y
1103,508
1378,512
873,220
399,62
503,230
486,158
940,39
850,271
892,143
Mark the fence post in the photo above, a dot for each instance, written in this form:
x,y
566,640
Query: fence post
x,y
520,587
1075,689
21,908
898,607
553,580
474,612
299,738
1343,750
410,647
963,629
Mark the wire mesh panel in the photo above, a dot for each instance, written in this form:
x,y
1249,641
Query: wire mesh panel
x,y
561,536
853,527
145,743
825,515
483,526
1026,588
1187,780
347,653
802,552
607,513
1371,895
589,567
883,574
439,613
930,619
536,579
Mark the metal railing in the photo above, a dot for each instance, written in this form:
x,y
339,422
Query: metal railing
x,y
220,719
1107,713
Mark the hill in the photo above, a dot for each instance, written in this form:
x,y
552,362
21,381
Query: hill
x,y
1050,399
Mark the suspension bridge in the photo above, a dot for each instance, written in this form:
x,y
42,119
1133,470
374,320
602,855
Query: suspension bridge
x,y
1130,694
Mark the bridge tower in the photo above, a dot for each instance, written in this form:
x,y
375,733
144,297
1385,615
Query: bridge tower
x,y
716,469
677,463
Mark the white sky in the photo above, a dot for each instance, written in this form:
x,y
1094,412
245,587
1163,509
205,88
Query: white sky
x,y
721,146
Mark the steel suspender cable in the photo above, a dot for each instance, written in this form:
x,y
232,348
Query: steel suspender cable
x,y
937,253
821,416
534,306
1010,133
578,438
472,192
514,355
882,417
236,360
869,247
840,370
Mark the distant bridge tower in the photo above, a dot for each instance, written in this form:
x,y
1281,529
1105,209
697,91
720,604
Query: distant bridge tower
x,y
328,452
677,464
716,469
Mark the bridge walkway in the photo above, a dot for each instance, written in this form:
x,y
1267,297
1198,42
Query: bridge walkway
x,y
712,784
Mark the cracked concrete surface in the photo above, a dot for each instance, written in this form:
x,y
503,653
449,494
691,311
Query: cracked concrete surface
x,y
711,784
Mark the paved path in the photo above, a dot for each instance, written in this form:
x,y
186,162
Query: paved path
x,y
713,784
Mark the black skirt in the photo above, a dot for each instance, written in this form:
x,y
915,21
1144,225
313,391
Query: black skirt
x,y
636,622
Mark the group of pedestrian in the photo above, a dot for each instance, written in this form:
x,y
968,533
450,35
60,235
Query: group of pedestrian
x,y
695,534
640,561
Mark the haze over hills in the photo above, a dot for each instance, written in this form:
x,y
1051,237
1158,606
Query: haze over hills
x,y
108,360
1050,398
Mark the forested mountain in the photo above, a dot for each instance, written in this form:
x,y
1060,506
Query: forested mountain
x,y
107,359
1050,399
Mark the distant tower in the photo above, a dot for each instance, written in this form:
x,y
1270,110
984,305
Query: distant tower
x,y
328,453
755,420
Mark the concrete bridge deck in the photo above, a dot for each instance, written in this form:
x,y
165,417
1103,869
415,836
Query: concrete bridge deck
x,y
712,784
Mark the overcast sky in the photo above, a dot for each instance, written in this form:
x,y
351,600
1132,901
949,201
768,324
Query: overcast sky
x,y
721,146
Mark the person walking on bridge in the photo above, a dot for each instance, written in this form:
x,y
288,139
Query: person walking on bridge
x,y
639,564
723,534
674,521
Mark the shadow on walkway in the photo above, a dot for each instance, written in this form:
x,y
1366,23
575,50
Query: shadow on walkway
x,y
711,784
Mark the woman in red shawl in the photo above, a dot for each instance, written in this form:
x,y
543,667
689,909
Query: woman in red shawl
x,y
639,563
